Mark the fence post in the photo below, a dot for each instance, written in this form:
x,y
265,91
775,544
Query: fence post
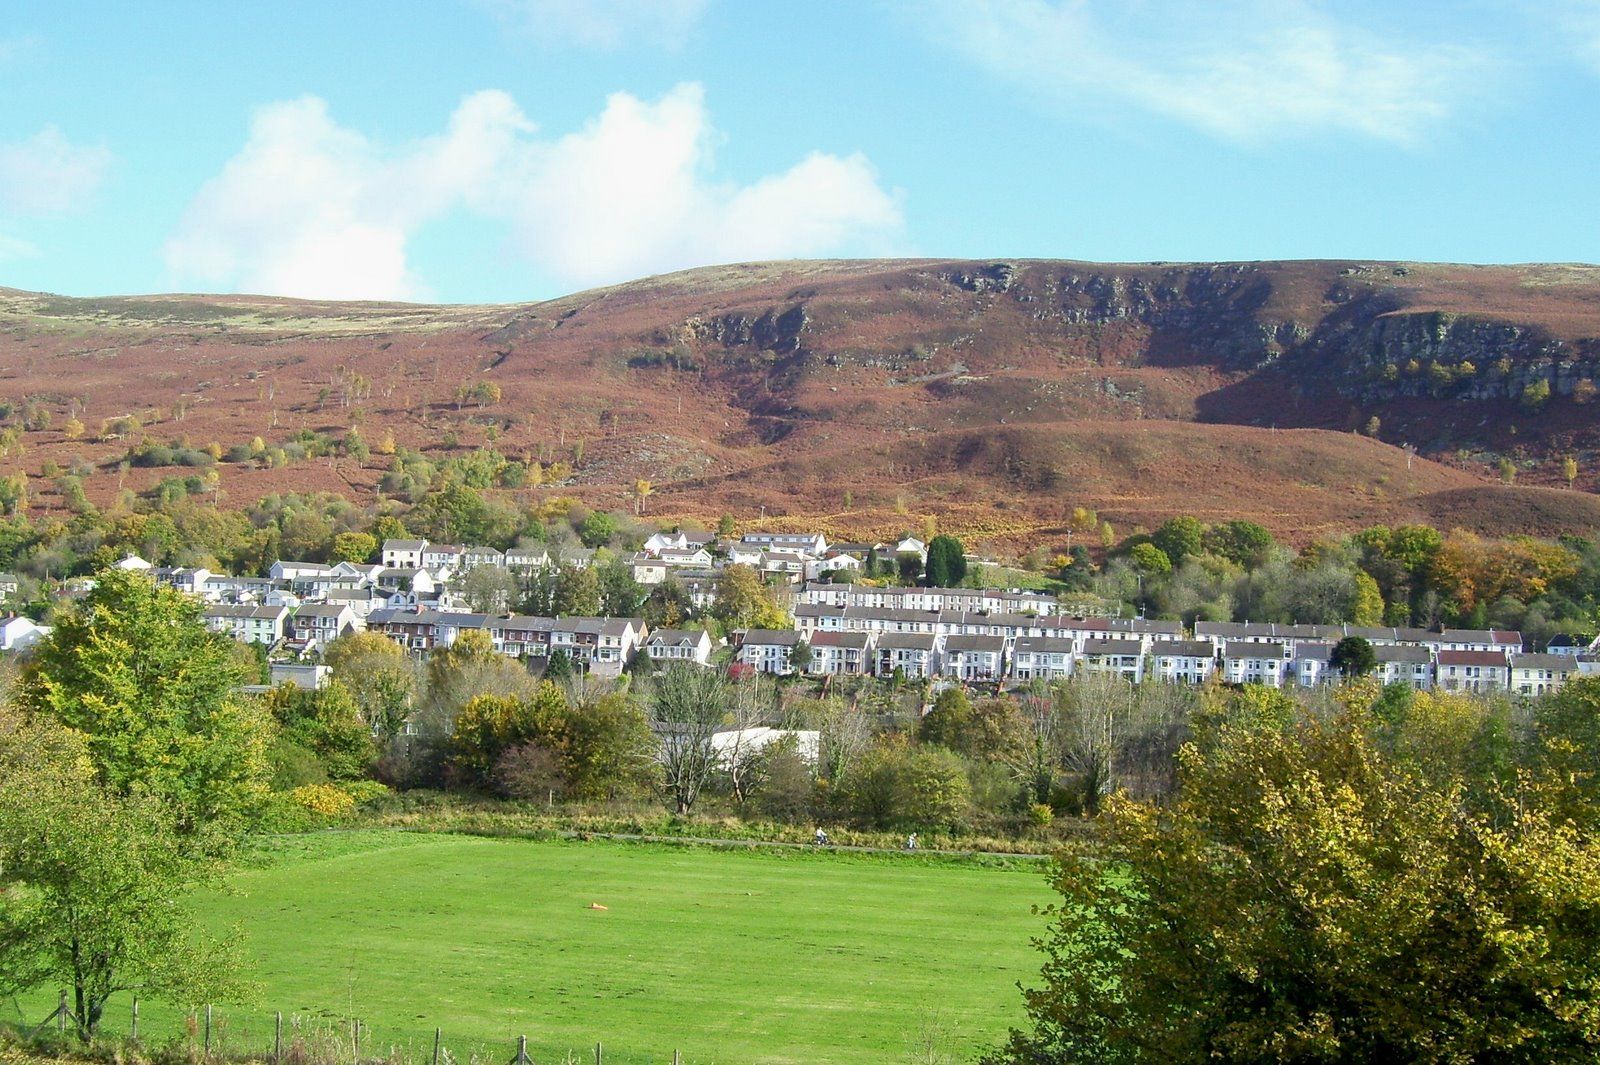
x,y
522,1050
355,1039
676,1060
277,1036
61,1016
597,1054
208,1030
436,1046
133,1033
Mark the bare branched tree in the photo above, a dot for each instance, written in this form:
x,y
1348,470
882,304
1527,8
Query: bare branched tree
x,y
686,706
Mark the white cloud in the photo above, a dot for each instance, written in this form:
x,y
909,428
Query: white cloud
x,y
48,174
601,24
310,208
1578,21
1245,70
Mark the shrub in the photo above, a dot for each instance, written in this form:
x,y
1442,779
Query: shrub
x,y
324,799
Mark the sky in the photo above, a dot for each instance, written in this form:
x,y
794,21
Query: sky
x,y
508,150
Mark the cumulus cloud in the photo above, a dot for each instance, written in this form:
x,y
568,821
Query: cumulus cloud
x,y
601,24
48,174
1244,70
311,208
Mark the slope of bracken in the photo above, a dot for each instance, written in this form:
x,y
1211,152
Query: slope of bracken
x,y
864,394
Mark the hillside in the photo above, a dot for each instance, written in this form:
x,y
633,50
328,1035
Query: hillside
x,y
864,394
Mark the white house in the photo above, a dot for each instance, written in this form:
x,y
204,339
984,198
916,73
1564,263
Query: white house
x,y
667,646
1042,657
834,562
1539,674
1411,666
1183,661
1122,657
914,654
1309,667
134,562
1473,671
647,570
974,658
768,650
1252,662
833,653
912,546
264,625
20,633
403,554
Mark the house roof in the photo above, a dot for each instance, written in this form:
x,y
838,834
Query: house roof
x,y
1403,655
1254,649
677,638
1113,647
1045,645
1472,658
404,545
850,640
907,641
771,637
1184,649
990,644
1560,663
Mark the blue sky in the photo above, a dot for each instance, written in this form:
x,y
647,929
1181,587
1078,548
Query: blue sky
x,y
497,150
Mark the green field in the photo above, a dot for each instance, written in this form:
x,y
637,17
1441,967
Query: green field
x,y
728,956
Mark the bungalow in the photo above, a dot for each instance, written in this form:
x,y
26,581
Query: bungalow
x,y
667,646
1255,662
1404,664
403,554
912,546
686,558
1539,674
913,654
769,650
20,633
316,625
833,653
742,554
1042,657
1123,657
1183,661
835,562
264,625
1474,671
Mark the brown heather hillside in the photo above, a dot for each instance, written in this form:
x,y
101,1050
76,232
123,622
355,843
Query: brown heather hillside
x,y
998,395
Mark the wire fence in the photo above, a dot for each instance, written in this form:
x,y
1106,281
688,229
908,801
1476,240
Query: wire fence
x,y
302,1038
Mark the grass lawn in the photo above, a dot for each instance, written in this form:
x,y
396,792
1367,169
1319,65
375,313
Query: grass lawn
x,y
726,956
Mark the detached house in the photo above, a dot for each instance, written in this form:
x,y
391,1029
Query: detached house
x,y
403,554
668,646
769,650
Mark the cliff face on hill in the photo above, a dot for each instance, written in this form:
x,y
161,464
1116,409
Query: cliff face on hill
x,y
997,393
